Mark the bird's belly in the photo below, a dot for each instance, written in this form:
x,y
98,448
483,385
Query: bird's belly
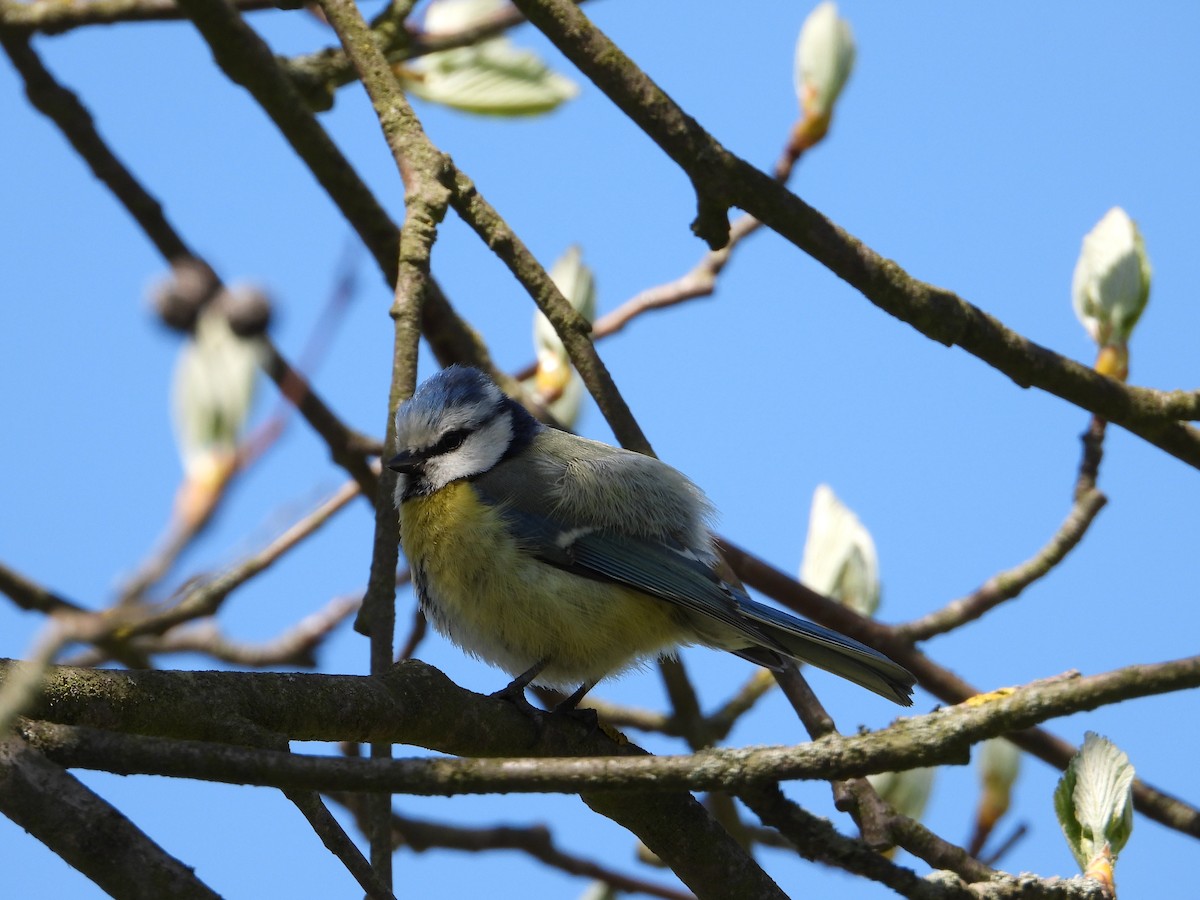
x,y
497,602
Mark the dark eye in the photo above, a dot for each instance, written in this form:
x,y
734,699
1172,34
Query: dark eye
x,y
449,441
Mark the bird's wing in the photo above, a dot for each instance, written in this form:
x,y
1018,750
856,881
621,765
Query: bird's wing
x,y
640,549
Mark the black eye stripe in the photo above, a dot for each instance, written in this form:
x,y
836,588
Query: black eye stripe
x,y
449,441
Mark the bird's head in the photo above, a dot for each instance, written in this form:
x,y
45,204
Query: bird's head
x,y
457,425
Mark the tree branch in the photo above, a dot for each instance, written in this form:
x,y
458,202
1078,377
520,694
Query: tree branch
x,y
350,708
89,834
940,682
722,180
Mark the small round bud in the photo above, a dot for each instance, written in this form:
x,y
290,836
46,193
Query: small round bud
x,y
247,309
1112,279
179,298
824,59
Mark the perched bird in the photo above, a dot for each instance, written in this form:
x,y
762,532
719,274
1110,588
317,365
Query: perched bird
x,y
562,560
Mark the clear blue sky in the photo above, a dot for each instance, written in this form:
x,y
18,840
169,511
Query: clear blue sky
x,y
975,145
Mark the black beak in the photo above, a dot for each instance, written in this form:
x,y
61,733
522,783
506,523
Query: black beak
x,y
405,463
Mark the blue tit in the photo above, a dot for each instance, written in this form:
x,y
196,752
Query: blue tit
x,y
563,560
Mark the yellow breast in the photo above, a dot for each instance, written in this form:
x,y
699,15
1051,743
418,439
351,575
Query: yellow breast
x,y
500,603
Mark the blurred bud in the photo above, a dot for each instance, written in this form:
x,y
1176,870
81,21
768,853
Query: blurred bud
x,y
247,309
824,59
839,555
576,283
999,763
556,378
1111,287
599,890
490,77
212,393
906,792
1094,804
453,16
179,298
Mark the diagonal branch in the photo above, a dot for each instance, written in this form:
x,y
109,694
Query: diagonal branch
x,y
88,833
63,108
1009,584
248,61
722,180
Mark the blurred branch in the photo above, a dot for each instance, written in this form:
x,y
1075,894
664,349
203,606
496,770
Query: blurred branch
x,y
36,598
296,646
721,180
57,16
90,835
247,60
534,840
62,107
126,621
321,73
31,596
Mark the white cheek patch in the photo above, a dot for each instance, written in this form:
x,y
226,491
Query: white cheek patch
x,y
478,453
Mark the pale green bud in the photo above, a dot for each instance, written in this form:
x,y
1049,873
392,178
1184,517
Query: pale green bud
x,y
999,764
1112,279
556,377
453,16
839,555
212,391
906,792
1094,804
824,59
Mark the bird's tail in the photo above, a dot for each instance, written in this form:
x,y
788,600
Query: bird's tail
x,y
780,635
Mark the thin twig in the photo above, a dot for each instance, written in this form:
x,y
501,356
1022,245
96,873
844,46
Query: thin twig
x,y
1009,584
536,841
296,646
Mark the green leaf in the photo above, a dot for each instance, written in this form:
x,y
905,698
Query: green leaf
x,y
490,78
1094,800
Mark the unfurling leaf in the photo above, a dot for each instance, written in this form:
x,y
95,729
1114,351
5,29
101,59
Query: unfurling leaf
x,y
492,77
1094,804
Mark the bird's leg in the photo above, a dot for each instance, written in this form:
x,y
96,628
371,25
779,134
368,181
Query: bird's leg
x,y
514,692
570,707
573,701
